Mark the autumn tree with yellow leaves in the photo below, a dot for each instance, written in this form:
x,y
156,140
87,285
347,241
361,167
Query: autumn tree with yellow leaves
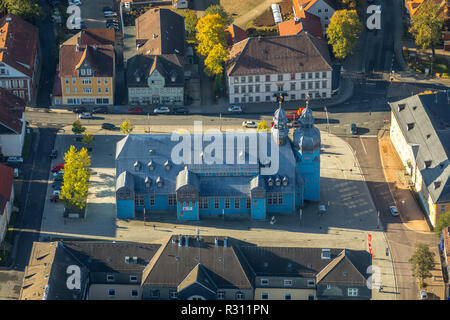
x,y
74,190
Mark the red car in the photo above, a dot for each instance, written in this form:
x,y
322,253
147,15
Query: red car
x,y
54,197
58,167
135,110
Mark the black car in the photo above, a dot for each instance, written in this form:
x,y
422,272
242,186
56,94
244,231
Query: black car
x,y
100,110
59,178
79,109
108,126
53,154
180,110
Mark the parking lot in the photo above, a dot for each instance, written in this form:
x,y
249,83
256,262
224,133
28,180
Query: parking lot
x,y
92,12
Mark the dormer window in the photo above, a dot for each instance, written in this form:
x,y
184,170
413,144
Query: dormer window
x,y
427,164
278,181
159,182
151,165
137,166
167,165
148,182
401,106
285,181
270,182
437,184
410,126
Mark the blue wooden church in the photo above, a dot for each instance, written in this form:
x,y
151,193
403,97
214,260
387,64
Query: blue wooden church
x,y
147,178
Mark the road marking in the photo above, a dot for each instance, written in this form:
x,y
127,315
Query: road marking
x,y
363,144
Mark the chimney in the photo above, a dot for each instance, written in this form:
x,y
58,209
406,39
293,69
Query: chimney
x,y
78,47
259,38
225,242
95,47
135,260
174,240
186,243
216,242
326,254
180,241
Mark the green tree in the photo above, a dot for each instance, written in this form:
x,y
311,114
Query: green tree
x,y
77,128
343,32
217,8
442,223
190,22
87,138
426,25
422,262
262,126
27,9
126,127
74,190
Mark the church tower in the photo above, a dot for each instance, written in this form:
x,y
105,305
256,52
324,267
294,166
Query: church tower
x,y
306,146
280,129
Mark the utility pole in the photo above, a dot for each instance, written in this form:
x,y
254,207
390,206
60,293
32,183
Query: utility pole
x,y
378,222
220,122
328,122
301,214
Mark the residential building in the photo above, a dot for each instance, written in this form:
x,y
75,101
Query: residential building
x,y
420,135
282,273
6,198
155,74
235,34
261,69
19,57
148,179
155,80
106,270
87,68
306,22
12,124
193,268
324,9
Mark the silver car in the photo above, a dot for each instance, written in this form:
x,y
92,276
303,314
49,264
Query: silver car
x,y
85,115
161,110
394,211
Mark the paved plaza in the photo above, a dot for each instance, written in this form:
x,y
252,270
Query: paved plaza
x,y
347,223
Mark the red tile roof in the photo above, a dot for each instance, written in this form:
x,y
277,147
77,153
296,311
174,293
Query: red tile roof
x,y
310,23
18,43
100,58
57,89
11,109
299,5
6,184
98,36
235,34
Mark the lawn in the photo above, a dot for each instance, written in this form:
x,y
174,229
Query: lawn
x,y
238,8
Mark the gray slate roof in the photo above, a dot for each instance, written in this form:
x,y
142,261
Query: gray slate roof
x,y
136,148
428,119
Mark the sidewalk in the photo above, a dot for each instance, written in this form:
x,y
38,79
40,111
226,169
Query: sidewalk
x,y
345,93
411,214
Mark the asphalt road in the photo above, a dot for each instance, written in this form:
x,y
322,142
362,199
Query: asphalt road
x,y
36,171
401,239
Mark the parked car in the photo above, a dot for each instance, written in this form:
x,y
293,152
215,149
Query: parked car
x,y
75,3
353,129
161,110
423,295
85,115
135,110
180,110
54,196
59,177
109,14
15,159
79,110
100,110
57,185
250,124
53,154
393,210
113,26
107,9
16,172
58,167
237,109
114,21
108,126
58,174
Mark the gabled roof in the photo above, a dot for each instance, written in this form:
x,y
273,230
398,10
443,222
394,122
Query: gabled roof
x,y
141,66
310,23
346,269
18,43
11,111
94,36
175,265
162,32
100,57
235,34
300,5
198,275
278,54
425,122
